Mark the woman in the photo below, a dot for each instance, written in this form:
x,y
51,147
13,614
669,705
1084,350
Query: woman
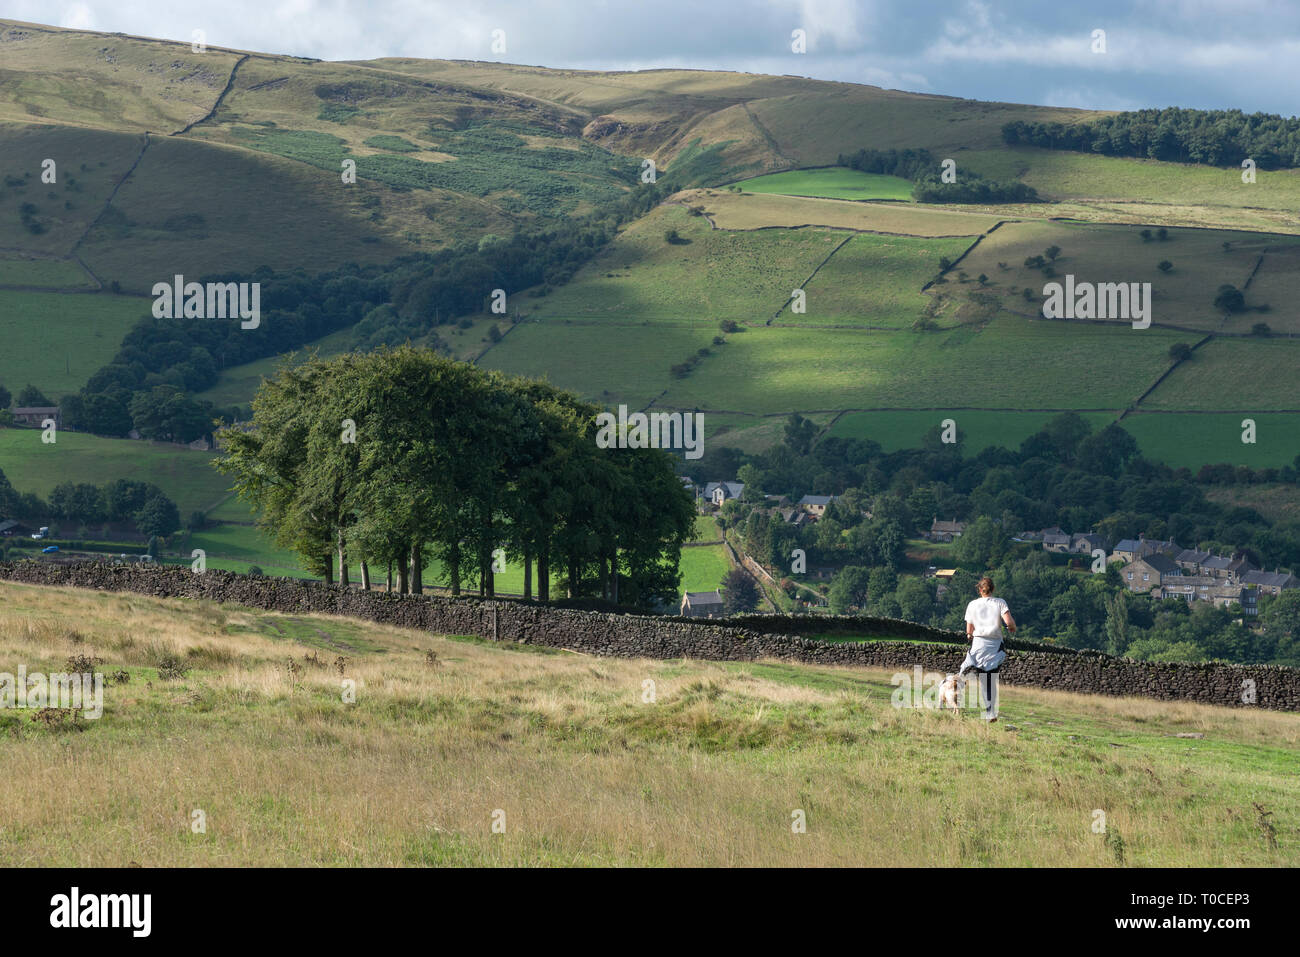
x,y
984,619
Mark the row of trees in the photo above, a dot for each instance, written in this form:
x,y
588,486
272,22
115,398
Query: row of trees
x,y
924,170
1212,137
124,501
400,456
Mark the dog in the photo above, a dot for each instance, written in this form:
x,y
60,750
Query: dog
x,y
950,690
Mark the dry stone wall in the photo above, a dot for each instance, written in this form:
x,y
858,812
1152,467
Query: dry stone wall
x,y
745,638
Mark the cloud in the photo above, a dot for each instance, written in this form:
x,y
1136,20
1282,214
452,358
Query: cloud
x,y
1205,53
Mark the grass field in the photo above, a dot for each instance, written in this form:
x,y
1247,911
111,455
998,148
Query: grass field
x,y
88,163
609,362
779,369
56,341
256,211
835,182
748,211
875,281
1207,193
46,273
707,276
584,772
976,430
183,474
1183,297
1193,439
1239,375
703,567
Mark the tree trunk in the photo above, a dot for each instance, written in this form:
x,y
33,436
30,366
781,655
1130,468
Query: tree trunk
x,y
417,569
613,587
528,575
453,566
329,569
343,561
388,583
365,577
403,580
543,574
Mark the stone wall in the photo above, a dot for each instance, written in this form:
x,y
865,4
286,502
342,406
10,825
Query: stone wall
x,y
745,638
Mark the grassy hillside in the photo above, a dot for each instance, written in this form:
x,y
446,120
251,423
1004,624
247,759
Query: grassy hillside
x,y
452,151
585,772
57,341
186,476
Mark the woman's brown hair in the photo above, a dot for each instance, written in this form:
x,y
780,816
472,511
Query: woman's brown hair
x,y
986,586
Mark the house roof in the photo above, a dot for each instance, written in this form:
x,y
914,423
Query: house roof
x,y
816,499
36,410
953,526
732,489
1162,563
1056,538
1217,562
1192,555
8,524
1270,579
704,597
1128,545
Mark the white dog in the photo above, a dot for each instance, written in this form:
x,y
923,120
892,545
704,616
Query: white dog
x,y
950,690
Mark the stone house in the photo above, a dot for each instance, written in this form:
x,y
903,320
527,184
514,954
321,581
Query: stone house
x,y
1147,574
945,531
702,604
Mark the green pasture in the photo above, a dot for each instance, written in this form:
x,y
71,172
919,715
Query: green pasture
x,y
56,341
835,182
183,474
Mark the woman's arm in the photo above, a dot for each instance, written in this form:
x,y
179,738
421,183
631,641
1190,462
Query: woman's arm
x,y
1010,622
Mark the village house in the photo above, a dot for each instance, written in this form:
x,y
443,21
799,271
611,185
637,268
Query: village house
x,y
1148,573
816,504
1270,583
1085,543
1228,569
35,415
1206,588
1131,549
702,604
1055,540
720,492
1189,560
945,531
11,527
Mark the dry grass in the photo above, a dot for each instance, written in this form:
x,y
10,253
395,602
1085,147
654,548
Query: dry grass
x,y
585,771
761,211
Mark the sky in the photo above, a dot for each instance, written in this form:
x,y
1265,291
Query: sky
x,y
1209,54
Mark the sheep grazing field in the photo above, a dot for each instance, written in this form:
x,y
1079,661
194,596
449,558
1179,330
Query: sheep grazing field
x,y
240,737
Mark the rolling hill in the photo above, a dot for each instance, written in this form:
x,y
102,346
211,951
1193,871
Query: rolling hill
x,y
225,161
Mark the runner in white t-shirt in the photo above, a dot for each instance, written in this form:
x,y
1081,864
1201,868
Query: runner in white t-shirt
x,y
984,619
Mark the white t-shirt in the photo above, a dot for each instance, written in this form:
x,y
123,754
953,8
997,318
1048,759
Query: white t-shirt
x,y
986,615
